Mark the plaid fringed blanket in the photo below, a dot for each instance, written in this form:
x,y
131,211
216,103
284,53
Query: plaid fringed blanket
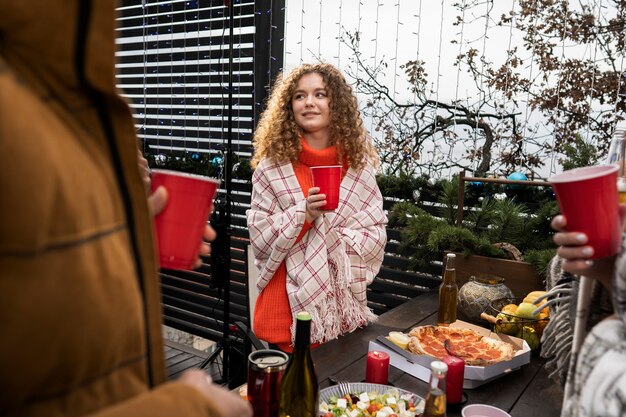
x,y
329,269
598,373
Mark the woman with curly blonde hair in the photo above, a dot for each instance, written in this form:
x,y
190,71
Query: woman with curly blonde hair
x,y
278,133
310,259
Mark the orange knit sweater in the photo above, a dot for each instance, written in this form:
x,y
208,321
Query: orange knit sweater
x,y
272,313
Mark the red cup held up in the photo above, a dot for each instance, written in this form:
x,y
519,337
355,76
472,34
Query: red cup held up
x,y
588,199
328,179
180,226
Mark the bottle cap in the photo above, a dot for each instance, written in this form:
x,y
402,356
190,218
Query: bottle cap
x,y
451,256
438,367
304,316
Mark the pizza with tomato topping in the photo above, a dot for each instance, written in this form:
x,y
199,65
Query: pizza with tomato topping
x,y
474,348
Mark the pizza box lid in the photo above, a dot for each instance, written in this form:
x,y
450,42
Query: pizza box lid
x,y
419,365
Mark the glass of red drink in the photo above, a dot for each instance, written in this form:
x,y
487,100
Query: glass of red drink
x,y
265,373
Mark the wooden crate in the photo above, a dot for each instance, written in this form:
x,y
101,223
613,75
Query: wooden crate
x,y
520,277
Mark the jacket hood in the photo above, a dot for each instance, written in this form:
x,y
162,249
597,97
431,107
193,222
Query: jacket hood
x,y
60,45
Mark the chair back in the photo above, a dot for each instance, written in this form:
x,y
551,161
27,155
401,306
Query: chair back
x,y
253,274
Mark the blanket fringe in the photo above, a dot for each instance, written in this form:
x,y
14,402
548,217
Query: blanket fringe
x,y
340,312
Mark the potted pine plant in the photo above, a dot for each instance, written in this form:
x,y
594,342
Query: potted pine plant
x,y
500,237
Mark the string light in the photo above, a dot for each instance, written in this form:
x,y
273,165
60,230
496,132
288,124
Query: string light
x,y
593,78
395,67
417,52
171,79
271,41
508,68
620,76
319,33
375,40
358,31
144,28
301,30
558,93
458,68
376,37
481,93
530,78
197,88
339,34
438,70
508,50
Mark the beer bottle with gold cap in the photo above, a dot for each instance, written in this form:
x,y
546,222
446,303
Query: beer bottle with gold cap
x,y
299,393
448,293
436,396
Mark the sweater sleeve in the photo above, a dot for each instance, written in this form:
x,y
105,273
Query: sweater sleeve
x,y
171,399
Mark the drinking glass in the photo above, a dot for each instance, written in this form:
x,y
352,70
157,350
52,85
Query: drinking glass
x,y
617,155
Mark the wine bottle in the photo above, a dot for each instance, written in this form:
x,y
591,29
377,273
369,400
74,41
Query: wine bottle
x,y
448,293
299,392
436,396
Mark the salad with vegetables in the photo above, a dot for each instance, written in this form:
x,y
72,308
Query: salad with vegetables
x,y
372,404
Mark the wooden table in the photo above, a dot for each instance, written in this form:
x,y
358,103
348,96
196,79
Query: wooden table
x,y
527,392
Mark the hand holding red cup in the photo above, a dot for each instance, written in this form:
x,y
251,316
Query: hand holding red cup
x,y
181,225
328,179
588,199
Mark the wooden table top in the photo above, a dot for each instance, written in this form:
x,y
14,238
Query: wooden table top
x,y
527,392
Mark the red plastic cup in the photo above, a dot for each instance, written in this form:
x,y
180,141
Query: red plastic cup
x,y
589,201
179,227
328,179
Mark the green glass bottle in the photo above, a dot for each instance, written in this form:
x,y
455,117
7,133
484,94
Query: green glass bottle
x,y
299,392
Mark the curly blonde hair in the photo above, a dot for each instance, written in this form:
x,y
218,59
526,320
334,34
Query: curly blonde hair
x,y
278,135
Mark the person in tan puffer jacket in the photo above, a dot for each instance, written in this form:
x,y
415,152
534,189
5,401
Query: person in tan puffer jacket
x,y
79,294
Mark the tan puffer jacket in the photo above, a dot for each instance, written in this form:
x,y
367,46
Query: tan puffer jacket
x,y
79,298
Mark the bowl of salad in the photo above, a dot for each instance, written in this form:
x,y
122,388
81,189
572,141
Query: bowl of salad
x,y
369,400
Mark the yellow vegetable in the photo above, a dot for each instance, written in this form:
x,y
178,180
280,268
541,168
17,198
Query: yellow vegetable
x,y
540,324
530,336
525,311
509,309
532,296
507,325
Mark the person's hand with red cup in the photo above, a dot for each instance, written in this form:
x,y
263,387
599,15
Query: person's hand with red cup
x,y
577,254
314,203
158,200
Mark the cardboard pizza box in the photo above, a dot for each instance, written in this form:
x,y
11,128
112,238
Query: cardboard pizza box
x,y
475,376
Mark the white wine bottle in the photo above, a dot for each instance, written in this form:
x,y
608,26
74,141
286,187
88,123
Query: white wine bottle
x,y
448,293
299,392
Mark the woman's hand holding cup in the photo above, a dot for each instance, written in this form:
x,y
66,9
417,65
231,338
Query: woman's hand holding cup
x,y
314,202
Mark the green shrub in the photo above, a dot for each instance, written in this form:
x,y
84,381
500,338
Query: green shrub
x,y
506,220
